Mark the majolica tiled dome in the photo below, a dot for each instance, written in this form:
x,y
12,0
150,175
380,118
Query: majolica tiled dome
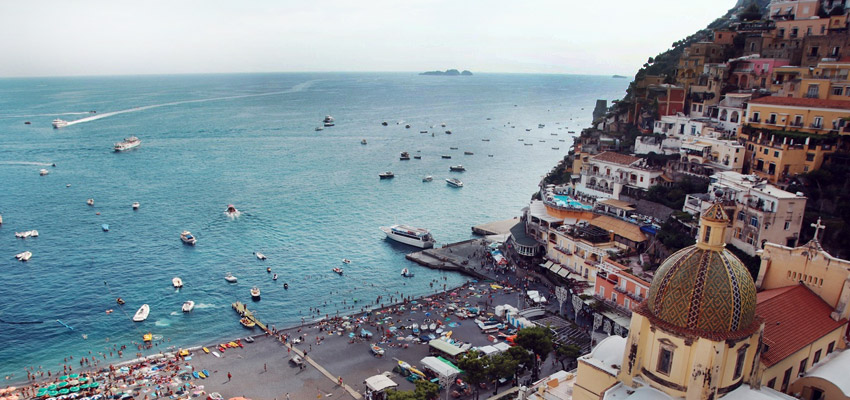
x,y
704,287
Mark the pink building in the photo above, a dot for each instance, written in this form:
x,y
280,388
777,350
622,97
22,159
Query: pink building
x,y
755,72
617,287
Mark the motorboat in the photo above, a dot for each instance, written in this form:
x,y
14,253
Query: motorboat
x,y
406,273
231,209
443,124
520,140
34,233
43,172
485,140
120,301
26,234
187,238
423,131
407,126
319,129
177,282
105,227
469,153
135,205
556,148
188,306
128,143
454,182
384,123
452,148
428,178
260,256
446,156
338,270
25,256
230,278
346,261
247,323
255,292
448,132
269,269
142,313
274,277
58,123
27,123
528,129
363,141
404,156
541,126
457,168
417,157
386,175
90,202
328,121
409,235
376,350
285,286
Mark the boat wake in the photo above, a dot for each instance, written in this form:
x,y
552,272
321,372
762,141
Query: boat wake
x,y
41,164
233,215
295,89
163,322
173,313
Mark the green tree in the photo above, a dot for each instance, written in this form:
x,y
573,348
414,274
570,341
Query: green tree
x,y
476,369
538,340
501,366
521,356
567,352
425,390
751,13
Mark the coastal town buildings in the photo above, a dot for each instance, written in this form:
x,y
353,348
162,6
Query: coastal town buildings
x,y
759,212
608,174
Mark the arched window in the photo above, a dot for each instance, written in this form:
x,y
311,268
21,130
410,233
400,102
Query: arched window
x,y
734,117
723,115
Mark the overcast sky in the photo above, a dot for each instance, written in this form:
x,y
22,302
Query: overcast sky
x,y
53,38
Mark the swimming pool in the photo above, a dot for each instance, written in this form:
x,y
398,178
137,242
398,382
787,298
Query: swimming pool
x,y
567,201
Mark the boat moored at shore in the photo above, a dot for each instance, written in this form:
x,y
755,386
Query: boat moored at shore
x,y
409,235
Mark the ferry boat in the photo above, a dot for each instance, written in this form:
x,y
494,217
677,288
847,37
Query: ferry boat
x,y
417,237
188,306
255,292
328,121
457,168
454,182
142,313
187,238
58,123
43,172
386,175
128,143
177,282
404,156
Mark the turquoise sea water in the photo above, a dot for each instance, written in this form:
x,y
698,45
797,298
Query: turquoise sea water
x,y
308,199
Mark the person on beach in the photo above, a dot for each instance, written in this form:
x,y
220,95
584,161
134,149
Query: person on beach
x,y
229,376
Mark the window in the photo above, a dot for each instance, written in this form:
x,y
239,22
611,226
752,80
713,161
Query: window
x,y
614,297
847,91
772,119
765,151
706,234
771,383
781,33
602,291
835,51
785,379
787,225
776,154
812,92
794,32
739,363
817,357
756,118
814,52
750,238
837,91
803,366
809,31
737,233
665,360
818,122
627,303
830,348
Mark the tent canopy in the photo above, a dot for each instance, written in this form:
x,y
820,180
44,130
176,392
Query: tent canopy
x,y
439,367
445,347
378,383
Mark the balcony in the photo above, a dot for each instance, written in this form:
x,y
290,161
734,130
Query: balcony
x,y
816,125
600,189
796,124
755,120
563,250
629,294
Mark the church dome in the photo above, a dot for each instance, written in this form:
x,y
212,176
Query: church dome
x,y
704,288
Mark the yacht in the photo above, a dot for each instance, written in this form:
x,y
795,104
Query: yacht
x,y
43,172
135,205
255,292
428,178
418,237
457,168
363,141
90,202
58,123
386,175
142,313
328,121
177,282
188,306
454,182
230,278
187,238
404,156
128,143
25,256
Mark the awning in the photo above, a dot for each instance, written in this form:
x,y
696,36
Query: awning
x,y
439,367
445,347
563,272
378,383
547,265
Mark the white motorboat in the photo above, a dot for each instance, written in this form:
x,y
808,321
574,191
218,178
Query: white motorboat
x,y
135,205
26,234
454,182
457,168
188,306
418,237
468,153
128,143
363,141
177,282
187,238
428,178
43,172
34,233
142,313
386,175
404,156
406,273
346,261
230,278
90,202
255,292
25,256
432,327
328,121
58,123
260,256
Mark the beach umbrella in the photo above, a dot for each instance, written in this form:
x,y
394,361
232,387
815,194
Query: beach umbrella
x,y
75,389
62,384
41,391
64,391
74,376
53,393
84,386
94,384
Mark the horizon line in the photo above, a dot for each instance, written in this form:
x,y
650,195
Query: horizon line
x,y
302,72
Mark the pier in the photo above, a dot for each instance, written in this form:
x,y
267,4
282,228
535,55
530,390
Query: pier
x,y
243,311
452,257
495,228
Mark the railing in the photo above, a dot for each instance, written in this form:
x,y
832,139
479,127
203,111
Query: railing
x,y
601,189
755,120
816,126
796,124
629,294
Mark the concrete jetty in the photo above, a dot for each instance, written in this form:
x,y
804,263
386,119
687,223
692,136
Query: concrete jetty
x,y
460,257
495,228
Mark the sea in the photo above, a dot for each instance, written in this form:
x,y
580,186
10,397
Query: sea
x,y
307,198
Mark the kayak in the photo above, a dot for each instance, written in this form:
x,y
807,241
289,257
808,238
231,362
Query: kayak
x,y
207,373
215,353
206,350
195,374
202,375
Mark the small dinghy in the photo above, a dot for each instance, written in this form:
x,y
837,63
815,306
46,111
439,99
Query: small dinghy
x,y
260,256
135,205
377,350
338,271
188,306
255,292
90,202
105,227
406,273
274,278
346,261
177,282
230,278
142,313
286,286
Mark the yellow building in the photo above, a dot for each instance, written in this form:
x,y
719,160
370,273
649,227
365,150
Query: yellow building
x,y
704,333
828,81
693,60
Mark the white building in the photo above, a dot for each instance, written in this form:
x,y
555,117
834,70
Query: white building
x,y
759,212
608,174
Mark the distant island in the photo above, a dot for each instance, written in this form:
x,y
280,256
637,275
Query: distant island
x,y
448,72
619,76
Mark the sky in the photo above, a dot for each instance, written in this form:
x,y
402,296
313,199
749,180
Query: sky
x,y
114,37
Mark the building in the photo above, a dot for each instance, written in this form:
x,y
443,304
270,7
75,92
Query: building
x,y
693,60
618,287
754,72
789,10
608,174
760,212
